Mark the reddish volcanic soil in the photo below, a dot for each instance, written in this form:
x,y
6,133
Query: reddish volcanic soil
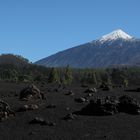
x,y
116,127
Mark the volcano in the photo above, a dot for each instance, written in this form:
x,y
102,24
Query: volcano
x,y
114,49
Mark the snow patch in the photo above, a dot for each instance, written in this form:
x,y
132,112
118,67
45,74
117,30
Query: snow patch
x,y
117,34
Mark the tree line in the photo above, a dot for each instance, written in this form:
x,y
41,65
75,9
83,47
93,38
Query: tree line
x,y
67,75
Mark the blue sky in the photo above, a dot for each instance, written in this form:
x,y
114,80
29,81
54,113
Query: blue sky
x,y
39,28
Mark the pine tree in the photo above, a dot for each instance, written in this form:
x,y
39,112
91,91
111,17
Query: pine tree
x,y
68,75
54,76
94,78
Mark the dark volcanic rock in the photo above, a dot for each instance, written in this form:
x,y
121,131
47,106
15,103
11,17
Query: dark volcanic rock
x,y
91,90
129,105
28,108
99,108
70,93
41,121
5,110
105,87
80,100
110,106
70,117
30,92
38,120
51,106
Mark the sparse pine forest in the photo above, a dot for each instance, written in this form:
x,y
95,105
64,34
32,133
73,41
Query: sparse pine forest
x,y
18,69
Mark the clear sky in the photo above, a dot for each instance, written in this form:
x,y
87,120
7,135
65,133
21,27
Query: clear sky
x,y
39,28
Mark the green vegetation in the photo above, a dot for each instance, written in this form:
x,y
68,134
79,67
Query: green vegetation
x,y
23,71
68,75
125,83
53,76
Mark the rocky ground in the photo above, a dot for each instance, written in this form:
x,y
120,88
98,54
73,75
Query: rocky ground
x,y
53,118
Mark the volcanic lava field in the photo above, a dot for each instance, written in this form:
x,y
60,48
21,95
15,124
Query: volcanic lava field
x,y
58,122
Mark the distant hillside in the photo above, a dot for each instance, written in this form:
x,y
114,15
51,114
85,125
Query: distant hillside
x,y
13,59
18,69
114,49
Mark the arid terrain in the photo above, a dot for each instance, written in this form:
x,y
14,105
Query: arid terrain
x,y
57,104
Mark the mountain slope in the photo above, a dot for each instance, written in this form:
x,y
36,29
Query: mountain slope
x,y
13,59
116,48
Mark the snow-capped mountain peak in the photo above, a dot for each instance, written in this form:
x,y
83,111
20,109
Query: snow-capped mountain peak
x,y
117,49
117,34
